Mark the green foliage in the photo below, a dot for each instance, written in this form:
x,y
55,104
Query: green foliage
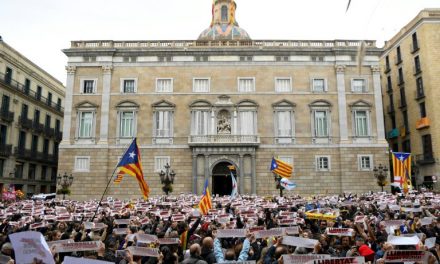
x,y
64,191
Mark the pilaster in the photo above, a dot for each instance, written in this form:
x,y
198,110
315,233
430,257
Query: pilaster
x,y
375,70
254,178
342,102
67,120
194,173
241,179
105,104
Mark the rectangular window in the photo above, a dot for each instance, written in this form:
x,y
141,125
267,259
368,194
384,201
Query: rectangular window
x,y
88,86
283,85
319,85
427,147
2,166
164,85
160,162
389,84
247,122
284,124
8,75
39,92
85,124
365,162
18,171
405,121
401,81
34,143
31,171
48,121
49,98
359,85
128,85
393,121
406,146
417,67
402,97
387,62
22,140
163,123
127,124
422,110
3,134
200,122
420,91
46,146
27,86
246,85
5,104
201,85
57,125
37,116
361,123
415,43
82,163
43,172
321,124
24,111
399,55
322,163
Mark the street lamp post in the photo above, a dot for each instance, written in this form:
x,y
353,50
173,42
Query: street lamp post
x,y
65,182
167,179
380,173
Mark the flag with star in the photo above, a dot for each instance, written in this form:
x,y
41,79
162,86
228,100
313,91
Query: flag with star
x,y
130,164
402,169
281,168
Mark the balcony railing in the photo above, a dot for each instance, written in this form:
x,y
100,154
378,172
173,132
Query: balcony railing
x,y
22,153
224,139
49,132
58,135
37,127
6,115
425,158
5,150
25,122
13,84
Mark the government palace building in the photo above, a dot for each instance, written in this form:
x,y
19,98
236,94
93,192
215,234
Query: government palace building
x,y
220,100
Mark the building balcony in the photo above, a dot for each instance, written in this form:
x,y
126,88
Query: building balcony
x,y
16,86
5,150
22,153
425,158
200,140
58,136
423,123
49,132
25,122
6,116
393,133
37,127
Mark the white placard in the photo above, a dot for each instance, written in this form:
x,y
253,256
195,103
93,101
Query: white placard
x,y
292,230
339,231
168,241
30,245
357,260
299,241
78,246
72,260
231,233
146,238
418,256
430,242
270,233
299,259
144,251
402,240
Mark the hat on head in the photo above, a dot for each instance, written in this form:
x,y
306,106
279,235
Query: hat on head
x,y
7,246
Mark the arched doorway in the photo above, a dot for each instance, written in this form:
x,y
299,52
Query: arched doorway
x,y
221,179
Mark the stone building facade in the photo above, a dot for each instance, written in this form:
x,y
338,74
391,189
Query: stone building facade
x,y
410,75
224,99
31,120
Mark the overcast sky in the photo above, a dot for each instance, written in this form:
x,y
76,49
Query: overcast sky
x,y
39,29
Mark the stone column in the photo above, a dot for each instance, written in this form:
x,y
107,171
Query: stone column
x,y
241,179
342,102
105,104
194,172
235,123
68,101
213,125
254,176
375,69
207,168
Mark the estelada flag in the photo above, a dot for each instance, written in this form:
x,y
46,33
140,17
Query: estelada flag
x,y
205,203
130,164
402,168
281,168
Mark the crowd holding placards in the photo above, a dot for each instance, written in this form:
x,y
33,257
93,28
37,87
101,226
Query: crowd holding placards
x,y
374,227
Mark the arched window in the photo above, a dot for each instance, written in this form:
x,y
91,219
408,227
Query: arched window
x,y
224,13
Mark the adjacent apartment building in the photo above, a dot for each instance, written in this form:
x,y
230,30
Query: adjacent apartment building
x,y
31,119
410,78
224,99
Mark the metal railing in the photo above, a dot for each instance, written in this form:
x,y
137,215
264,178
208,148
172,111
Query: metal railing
x,y
425,158
25,122
29,93
96,44
224,139
5,150
37,127
6,115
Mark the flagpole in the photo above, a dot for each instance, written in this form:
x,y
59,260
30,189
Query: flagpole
x,y
108,182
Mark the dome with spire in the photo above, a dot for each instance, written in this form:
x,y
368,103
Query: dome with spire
x,y
223,23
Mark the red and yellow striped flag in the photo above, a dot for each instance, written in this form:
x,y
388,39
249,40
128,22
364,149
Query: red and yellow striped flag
x,y
205,203
281,168
402,168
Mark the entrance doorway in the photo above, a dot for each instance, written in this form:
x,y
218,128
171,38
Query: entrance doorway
x,y
221,179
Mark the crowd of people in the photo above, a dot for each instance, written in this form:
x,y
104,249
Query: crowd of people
x,y
247,228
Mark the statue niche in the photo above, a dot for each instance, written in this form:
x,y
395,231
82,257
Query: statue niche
x,y
224,122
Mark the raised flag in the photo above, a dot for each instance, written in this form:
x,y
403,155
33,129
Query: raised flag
x,y
130,164
397,182
288,185
402,168
205,203
281,168
234,186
